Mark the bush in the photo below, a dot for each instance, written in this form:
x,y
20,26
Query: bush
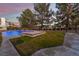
x,y
49,39
26,28
13,28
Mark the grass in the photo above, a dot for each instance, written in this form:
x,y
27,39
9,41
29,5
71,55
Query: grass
x,y
20,40
27,45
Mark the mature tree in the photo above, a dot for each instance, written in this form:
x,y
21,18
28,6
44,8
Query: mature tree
x,y
67,13
75,16
43,12
64,13
26,18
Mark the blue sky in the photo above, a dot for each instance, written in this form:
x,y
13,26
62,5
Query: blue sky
x,y
12,10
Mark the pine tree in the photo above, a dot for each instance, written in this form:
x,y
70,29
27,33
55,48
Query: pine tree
x,y
43,12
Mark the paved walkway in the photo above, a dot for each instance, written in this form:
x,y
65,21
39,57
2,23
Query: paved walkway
x,y
7,48
69,48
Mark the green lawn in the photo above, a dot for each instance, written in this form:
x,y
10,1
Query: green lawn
x,y
28,45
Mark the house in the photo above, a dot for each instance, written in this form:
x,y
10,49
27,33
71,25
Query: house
x,y
3,24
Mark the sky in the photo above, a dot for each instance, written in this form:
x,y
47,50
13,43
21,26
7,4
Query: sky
x,y
11,10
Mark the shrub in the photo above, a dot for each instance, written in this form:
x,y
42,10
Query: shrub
x,y
13,28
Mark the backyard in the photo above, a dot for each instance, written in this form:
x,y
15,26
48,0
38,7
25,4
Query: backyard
x,y
28,45
41,28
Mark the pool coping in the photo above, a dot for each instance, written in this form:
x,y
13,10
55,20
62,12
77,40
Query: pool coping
x,y
14,48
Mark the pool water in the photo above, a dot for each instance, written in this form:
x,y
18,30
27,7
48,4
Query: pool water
x,y
11,34
14,33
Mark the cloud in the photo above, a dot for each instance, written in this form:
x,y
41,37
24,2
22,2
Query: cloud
x,y
6,8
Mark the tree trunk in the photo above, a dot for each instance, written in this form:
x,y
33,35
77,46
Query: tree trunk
x,y
67,23
72,26
41,24
75,27
41,20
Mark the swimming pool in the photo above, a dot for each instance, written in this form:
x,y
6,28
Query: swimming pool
x,y
14,33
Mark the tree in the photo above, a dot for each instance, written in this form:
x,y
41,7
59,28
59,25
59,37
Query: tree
x,y
64,13
67,13
75,16
43,12
26,18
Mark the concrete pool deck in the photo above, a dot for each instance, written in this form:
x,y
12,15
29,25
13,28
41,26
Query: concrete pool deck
x,y
69,48
7,49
